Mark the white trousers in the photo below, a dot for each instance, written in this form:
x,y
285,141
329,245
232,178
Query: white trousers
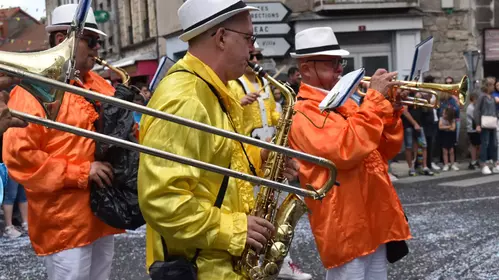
x,y
370,267
91,262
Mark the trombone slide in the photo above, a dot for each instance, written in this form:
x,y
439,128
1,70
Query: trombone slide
x,y
155,152
178,120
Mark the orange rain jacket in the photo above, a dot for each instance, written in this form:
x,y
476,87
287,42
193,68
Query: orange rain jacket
x,y
53,166
364,211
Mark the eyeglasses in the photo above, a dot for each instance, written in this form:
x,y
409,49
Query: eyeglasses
x,y
258,56
92,41
249,37
335,62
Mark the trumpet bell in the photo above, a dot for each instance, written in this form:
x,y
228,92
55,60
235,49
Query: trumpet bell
x,y
52,63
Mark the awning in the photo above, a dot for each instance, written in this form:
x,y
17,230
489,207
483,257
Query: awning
x,y
143,65
127,61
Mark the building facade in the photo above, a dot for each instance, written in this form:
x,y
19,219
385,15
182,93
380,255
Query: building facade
x,y
132,42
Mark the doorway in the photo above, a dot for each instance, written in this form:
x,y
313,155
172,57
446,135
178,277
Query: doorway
x,y
370,57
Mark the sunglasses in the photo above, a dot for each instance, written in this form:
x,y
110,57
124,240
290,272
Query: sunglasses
x,y
92,41
258,56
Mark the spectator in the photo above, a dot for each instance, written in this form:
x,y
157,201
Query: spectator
x,y
447,101
486,119
430,126
449,80
14,192
473,135
495,94
294,78
144,91
414,138
279,100
447,126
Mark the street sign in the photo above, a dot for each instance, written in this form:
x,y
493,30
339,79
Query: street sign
x,y
101,16
273,46
271,29
269,12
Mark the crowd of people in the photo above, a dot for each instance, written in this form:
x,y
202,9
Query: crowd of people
x,y
432,135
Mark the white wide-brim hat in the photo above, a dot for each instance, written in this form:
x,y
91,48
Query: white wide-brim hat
x,y
198,16
62,17
317,41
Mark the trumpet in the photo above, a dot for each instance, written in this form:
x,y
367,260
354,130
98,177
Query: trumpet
x,y
42,77
460,90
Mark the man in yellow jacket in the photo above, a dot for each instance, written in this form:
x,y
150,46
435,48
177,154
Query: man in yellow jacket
x,y
255,94
176,200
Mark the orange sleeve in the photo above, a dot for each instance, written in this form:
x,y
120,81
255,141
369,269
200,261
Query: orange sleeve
x,y
26,160
346,142
392,137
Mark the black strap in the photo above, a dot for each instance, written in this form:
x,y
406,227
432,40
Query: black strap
x,y
218,204
215,92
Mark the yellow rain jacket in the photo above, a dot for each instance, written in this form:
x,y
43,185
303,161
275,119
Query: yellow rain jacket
x,y
253,112
176,199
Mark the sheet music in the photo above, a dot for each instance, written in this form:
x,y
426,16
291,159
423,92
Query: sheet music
x,y
342,90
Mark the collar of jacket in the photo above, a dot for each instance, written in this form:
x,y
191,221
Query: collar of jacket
x,y
311,92
194,64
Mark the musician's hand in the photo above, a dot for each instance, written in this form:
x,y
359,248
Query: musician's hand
x,y
259,231
101,173
382,81
6,119
249,98
291,171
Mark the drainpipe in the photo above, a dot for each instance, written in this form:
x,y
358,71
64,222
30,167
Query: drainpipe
x,y
118,26
157,29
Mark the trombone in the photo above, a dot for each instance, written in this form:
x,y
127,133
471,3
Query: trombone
x,y
459,90
49,92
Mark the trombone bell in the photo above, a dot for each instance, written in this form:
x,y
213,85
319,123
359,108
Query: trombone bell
x,y
52,63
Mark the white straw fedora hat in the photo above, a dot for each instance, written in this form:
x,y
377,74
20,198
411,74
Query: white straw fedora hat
x,y
197,16
317,41
62,17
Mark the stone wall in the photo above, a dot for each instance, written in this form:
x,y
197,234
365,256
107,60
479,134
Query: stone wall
x,y
142,49
451,37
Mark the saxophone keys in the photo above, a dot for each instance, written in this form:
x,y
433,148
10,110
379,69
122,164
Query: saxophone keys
x,y
266,174
284,232
271,269
255,273
278,250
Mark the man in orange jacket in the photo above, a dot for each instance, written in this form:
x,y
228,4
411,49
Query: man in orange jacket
x,y
57,168
356,220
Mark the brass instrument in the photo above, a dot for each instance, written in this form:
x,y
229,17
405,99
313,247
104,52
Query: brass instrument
x,y
284,217
125,78
460,90
42,74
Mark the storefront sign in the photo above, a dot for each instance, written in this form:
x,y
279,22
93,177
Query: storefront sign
x,y
491,44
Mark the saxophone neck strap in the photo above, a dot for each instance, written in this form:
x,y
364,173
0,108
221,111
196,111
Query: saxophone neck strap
x,y
224,109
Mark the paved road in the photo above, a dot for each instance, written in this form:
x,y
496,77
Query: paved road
x,y
454,220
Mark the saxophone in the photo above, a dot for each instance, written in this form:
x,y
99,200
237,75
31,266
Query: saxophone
x,y
286,216
125,78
